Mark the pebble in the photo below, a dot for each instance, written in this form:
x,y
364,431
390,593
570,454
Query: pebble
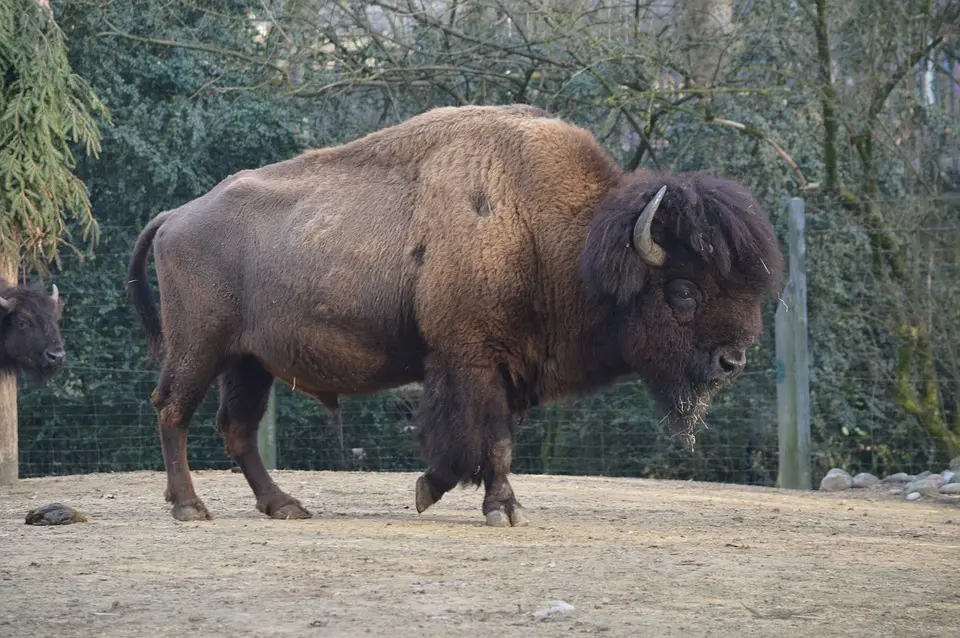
x,y
836,480
865,479
556,607
913,496
950,488
899,477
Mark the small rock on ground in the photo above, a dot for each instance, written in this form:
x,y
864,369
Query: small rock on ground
x,y
912,496
556,607
899,477
54,514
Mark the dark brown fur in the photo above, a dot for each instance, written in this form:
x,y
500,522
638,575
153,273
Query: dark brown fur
x,y
30,341
484,251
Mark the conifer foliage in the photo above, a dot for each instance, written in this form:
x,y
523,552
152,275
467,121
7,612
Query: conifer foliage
x,y
45,108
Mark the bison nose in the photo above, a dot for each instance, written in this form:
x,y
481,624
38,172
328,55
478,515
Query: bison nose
x,y
728,362
55,356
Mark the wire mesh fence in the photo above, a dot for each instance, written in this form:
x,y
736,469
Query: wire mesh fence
x,y
616,432
97,417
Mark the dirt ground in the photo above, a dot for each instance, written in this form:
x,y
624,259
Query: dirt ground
x,y
633,557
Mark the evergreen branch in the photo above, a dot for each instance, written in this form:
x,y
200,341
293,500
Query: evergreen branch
x,y
204,48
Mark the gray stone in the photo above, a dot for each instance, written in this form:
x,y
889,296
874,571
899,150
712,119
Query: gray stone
x,y
836,480
865,479
950,476
929,486
950,488
899,477
54,514
922,475
912,496
556,607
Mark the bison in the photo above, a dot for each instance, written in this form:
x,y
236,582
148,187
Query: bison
x,y
498,255
30,340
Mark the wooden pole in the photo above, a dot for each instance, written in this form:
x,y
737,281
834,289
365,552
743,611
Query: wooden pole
x,y
9,458
793,360
268,432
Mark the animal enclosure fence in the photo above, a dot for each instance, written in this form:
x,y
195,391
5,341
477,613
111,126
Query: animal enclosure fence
x,y
97,417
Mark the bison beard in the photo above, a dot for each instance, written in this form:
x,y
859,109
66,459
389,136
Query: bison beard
x,y
686,410
496,255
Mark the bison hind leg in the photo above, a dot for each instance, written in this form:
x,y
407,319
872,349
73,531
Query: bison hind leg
x,y
244,392
175,399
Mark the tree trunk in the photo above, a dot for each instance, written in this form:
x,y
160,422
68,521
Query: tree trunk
x,y
828,100
705,27
9,466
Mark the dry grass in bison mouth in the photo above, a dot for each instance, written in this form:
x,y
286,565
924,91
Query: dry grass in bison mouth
x,y
685,419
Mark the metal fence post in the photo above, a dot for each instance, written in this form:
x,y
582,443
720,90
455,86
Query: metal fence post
x,y
793,360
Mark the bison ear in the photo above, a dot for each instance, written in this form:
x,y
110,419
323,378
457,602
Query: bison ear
x,y
609,264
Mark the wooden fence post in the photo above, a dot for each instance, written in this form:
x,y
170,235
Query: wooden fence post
x,y
793,360
268,432
9,442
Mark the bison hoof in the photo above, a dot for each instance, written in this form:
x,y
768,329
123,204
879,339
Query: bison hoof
x,y
518,517
498,518
424,495
191,511
291,511
507,516
283,507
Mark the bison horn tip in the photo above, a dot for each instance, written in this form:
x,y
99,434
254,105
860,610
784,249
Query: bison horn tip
x,y
648,250
56,293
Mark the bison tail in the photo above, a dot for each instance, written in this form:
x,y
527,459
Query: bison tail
x,y
138,287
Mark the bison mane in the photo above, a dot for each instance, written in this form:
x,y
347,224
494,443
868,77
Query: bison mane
x,y
703,221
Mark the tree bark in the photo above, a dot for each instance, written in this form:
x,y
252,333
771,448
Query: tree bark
x,y
705,27
828,100
9,463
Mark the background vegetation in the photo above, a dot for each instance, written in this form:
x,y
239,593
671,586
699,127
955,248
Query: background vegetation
x,y
853,106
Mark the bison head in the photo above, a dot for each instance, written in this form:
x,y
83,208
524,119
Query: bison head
x,y
29,332
683,263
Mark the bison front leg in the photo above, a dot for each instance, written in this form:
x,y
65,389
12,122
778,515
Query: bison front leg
x,y
500,505
244,392
465,438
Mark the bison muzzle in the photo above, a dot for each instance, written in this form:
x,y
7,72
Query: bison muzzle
x,y
498,255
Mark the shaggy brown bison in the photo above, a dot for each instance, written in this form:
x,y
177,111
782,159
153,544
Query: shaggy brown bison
x,y
497,254
29,331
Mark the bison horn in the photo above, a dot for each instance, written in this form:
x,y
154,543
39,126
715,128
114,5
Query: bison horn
x,y
55,294
650,252
6,304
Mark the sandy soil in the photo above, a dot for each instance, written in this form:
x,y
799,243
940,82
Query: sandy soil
x,y
633,557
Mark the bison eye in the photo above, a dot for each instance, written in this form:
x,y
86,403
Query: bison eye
x,y
22,323
682,295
